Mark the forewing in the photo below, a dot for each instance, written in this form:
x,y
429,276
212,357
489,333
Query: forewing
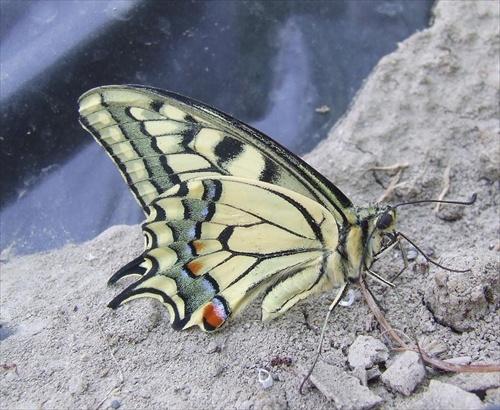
x,y
159,139
214,244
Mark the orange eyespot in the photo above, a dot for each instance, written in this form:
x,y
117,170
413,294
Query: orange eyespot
x,y
198,246
195,267
214,316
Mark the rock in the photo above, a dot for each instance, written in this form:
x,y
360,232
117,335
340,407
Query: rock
x,y
474,381
367,351
344,390
461,301
115,403
492,398
405,374
445,396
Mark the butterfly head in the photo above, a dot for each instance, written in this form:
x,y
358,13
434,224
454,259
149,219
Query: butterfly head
x,y
381,227
371,234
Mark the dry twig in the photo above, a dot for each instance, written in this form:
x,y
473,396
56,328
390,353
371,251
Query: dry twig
x,y
446,186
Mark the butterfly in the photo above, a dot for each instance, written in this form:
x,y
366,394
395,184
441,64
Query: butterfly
x,y
231,215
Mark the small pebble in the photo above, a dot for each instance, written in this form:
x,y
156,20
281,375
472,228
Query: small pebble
x,y
411,255
265,379
405,374
352,297
367,351
212,348
115,404
459,360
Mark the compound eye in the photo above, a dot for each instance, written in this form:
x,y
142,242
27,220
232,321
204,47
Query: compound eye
x,y
384,221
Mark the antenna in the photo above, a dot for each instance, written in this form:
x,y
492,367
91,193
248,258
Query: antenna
x,y
471,201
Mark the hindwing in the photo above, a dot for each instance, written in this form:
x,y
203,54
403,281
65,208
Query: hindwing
x,y
212,247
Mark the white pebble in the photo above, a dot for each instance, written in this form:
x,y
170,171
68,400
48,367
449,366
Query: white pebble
x,y
265,378
350,301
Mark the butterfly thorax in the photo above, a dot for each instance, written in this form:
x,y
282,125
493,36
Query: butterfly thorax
x,y
362,238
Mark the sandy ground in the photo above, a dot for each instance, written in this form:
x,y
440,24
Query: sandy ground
x,y
433,105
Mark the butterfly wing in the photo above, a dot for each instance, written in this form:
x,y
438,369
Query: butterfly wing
x,y
159,139
214,244
231,214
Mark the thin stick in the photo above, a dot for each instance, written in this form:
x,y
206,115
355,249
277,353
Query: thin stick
x,y
335,302
388,169
446,186
392,186
395,167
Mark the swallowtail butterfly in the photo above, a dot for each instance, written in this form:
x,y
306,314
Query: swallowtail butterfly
x,y
230,214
